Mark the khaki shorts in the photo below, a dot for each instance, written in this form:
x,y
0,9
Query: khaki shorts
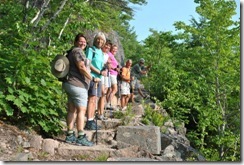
x,y
105,82
125,88
113,79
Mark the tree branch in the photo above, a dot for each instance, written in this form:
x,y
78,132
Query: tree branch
x,y
65,24
40,13
25,10
55,14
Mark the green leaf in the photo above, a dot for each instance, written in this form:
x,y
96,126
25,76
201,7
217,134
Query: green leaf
x,y
18,102
24,109
27,80
10,97
9,112
43,82
10,90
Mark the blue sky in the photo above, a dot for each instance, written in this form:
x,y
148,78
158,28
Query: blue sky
x,y
160,15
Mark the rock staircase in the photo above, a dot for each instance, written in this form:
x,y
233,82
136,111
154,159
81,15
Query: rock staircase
x,y
115,142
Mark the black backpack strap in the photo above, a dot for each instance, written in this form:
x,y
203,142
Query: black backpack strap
x,y
66,53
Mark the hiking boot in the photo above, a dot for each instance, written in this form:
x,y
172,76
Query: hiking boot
x,y
70,138
101,117
91,125
83,141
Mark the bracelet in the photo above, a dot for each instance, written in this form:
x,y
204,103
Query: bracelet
x,y
100,72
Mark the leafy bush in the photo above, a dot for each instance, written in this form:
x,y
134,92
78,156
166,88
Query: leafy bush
x,y
153,116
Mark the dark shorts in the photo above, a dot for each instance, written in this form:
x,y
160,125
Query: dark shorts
x,y
93,91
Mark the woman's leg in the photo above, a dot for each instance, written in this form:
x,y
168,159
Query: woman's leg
x,y
101,101
80,121
71,116
91,107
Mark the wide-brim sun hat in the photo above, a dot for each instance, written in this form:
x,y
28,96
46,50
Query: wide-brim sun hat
x,y
60,66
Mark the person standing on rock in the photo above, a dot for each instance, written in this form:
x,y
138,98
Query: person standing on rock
x,y
125,84
76,87
95,55
105,80
113,75
138,71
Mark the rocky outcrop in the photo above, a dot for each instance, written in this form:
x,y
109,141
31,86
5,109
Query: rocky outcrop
x,y
114,142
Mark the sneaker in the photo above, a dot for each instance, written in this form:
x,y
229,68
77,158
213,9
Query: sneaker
x,y
70,138
123,109
91,125
83,141
101,117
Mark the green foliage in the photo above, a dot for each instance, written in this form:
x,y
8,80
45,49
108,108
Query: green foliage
x,y
153,116
195,74
32,34
200,78
43,155
125,116
102,157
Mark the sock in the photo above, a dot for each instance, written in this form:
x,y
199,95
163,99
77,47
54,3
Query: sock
x,y
90,119
70,132
81,133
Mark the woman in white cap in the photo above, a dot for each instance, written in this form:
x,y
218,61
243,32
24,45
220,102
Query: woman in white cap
x,y
76,86
95,55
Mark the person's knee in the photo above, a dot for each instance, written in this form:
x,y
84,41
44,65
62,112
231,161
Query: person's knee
x,y
92,100
81,109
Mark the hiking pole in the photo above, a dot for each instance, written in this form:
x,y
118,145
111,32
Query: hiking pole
x,y
96,111
110,109
119,92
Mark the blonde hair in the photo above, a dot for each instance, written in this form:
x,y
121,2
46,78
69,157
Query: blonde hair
x,y
100,35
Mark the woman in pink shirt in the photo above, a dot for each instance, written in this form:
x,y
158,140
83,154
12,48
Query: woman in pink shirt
x,y
113,73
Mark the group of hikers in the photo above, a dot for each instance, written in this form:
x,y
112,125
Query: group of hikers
x,y
93,78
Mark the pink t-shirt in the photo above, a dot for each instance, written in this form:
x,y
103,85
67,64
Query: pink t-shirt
x,y
114,64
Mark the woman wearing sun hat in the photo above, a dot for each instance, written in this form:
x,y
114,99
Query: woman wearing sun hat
x,y
76,86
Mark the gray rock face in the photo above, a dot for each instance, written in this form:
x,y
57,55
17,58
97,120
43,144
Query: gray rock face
x,y
147,137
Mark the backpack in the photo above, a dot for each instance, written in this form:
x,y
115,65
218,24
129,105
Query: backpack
x,y
60,66
119,76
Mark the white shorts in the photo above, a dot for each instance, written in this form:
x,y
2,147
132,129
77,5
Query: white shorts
x,y
105,82
125,88
113,79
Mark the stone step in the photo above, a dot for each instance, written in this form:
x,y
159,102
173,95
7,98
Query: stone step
x,y
84,152
110,123
106,137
